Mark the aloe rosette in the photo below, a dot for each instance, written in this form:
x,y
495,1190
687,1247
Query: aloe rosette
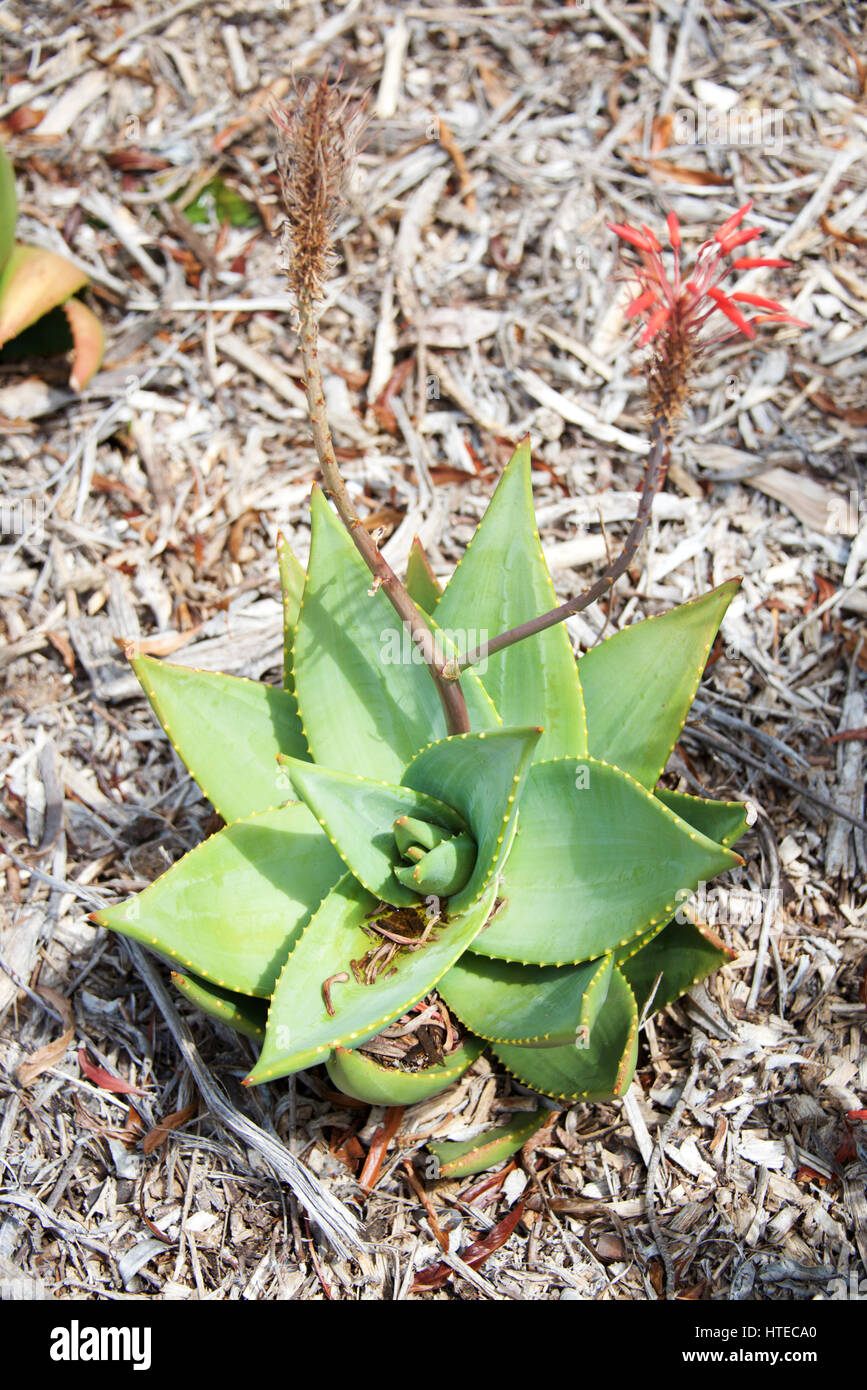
x,y
530,871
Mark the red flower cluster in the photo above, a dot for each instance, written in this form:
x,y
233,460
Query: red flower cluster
x,y
686,304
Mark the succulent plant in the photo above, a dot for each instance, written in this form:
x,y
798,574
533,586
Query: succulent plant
x,y
528,873
39,314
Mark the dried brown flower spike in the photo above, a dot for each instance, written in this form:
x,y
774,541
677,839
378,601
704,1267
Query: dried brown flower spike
x,y
319,136
318,140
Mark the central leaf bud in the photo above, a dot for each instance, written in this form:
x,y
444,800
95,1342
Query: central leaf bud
x,y
439,861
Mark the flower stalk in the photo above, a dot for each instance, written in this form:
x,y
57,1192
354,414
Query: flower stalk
x,y
673,312
318,139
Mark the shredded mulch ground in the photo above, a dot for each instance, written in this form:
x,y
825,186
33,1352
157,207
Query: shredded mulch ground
x,y
475,298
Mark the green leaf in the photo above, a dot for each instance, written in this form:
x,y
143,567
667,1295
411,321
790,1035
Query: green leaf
x,y
461,1159
600,1068
233,907
597,860
227,732
639,684
368,703
358,1075
8,207
358,816
422,584
300,1030
683,954
412,834
536,1006
501,581
481,776
723,821
242,1012
637,943
292,579
219,201
444,870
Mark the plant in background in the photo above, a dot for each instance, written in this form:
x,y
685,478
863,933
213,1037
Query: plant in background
x,y
423,857
39,313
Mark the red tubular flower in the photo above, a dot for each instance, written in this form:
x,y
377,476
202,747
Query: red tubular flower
x,y
743,298
729,243
753,262
734,221
674,309
654,323
643,302
631,235
723,302
692,301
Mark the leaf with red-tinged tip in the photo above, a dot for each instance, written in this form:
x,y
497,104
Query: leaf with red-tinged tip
x,y
435,1276
643,302
654,323
734,221
760,302
756,262
683,954
88,342
739,239
724,303
631,235
673,231
100,1077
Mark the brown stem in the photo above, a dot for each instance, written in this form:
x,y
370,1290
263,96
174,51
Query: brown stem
x,y
449,691
654,479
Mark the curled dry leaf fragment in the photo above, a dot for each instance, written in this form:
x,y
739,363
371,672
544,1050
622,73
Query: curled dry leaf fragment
x,y
45,1057
88,342
33,282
